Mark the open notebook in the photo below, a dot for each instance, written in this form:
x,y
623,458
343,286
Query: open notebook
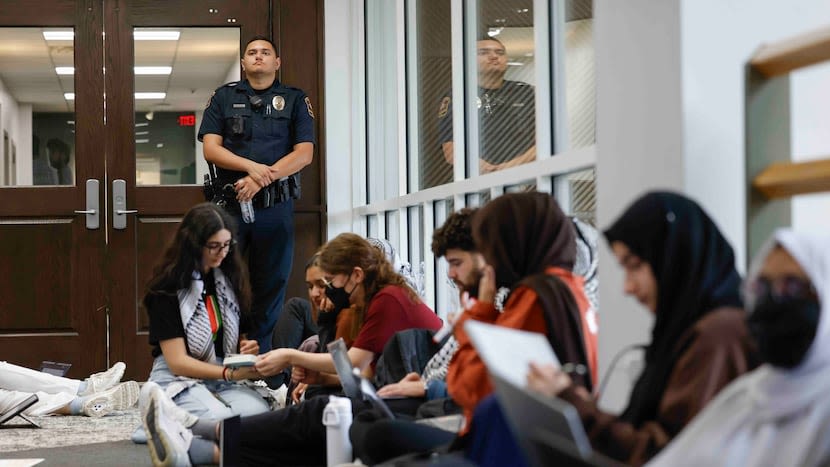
x,y
548,429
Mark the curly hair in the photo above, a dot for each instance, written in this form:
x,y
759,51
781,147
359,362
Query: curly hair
x,y
456,233
345,252
184,255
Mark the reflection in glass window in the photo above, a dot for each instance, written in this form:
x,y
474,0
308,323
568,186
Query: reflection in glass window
x,y
434,85
175,75
37,102
580,91
506,97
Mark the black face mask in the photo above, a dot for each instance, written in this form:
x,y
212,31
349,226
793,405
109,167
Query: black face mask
x,y
784,328
338,296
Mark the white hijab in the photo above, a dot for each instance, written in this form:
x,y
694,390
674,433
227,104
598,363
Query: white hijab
x,y
771,416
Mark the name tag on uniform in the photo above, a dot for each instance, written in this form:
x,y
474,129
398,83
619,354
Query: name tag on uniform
x,y
239,106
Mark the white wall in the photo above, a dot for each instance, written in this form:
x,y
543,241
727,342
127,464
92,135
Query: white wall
x,y
670,85
810,133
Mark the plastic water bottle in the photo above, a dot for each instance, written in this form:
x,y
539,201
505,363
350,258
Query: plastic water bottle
x,y
247,208
337,417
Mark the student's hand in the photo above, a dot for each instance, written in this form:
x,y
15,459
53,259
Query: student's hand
x,y
547,380
298,392
304,375
410,386
487,285
273,362
248,346
325,305
245,372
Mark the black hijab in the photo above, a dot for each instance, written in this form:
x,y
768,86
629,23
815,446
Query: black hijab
x,y
694,267
521,234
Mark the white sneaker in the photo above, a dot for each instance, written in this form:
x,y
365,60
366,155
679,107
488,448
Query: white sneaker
x,y
171,410
119,397
99,382
167,438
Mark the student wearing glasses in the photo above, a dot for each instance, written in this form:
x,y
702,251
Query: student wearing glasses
x,y
198,302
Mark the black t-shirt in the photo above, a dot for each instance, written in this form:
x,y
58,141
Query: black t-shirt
x,y
507,121
166,320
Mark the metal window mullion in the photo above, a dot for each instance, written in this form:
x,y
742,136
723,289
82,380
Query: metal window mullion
x,y
558,112
411,110
471,88
442,289
542,20
457,54
403,231
428,221
400,97
360,195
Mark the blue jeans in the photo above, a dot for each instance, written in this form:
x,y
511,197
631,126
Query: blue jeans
x,y
208,399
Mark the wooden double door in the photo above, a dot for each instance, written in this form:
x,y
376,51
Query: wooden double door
x,y
100,101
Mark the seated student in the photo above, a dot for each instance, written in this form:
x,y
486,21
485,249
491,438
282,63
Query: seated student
x,y
778,414
682,269
358,276
198,301
524,238
95,396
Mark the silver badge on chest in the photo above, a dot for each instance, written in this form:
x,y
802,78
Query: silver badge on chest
x,y
278,102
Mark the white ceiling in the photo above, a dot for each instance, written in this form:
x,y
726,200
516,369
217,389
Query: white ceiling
x,y
201,59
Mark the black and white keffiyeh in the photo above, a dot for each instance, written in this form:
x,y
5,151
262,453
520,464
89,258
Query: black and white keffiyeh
x,y
195,317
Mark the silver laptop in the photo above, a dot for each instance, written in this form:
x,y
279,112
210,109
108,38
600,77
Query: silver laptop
x,y
549,430
355,386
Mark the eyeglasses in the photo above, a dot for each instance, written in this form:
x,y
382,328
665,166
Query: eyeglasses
x,y
216,247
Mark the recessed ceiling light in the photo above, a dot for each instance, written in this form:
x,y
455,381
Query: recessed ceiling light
x,y
70,96
59,35
156,35
150,95
153,70
139,70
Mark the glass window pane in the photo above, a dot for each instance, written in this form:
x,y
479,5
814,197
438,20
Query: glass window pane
x,y
506,78
434,65
580,91
37,92
173,81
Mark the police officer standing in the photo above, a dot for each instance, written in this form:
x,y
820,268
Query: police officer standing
x,y
259,133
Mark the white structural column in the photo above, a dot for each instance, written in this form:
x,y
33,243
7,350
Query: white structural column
x,y
670,115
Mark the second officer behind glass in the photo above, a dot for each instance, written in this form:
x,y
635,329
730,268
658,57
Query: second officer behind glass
x,y
259,133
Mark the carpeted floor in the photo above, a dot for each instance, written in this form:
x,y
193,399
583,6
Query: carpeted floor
x,y
65,440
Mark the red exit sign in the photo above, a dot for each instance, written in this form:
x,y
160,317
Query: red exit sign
x,y
187,120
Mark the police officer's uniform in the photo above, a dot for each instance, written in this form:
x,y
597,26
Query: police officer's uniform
x,y
507,121
262,126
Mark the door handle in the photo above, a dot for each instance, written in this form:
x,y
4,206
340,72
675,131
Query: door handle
x,y
119,205
93,217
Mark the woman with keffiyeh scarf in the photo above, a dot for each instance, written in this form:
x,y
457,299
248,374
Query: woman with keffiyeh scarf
x,y
198,301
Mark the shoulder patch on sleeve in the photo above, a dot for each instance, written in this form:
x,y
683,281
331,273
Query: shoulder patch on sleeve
x,y
308,107
445,107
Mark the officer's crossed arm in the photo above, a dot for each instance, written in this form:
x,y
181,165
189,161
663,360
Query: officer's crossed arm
x,y
294,161
219,156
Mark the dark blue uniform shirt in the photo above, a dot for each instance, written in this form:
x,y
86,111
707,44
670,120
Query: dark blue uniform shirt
x,y
264,133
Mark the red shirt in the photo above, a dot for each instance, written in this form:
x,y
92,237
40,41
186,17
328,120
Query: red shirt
x,y
390,311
